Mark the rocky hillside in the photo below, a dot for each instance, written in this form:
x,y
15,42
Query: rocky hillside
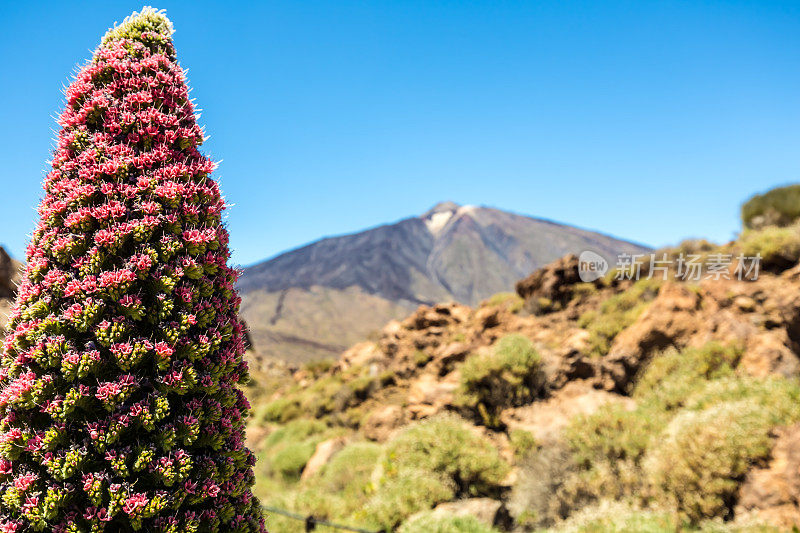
x,y
650,405
10,273
315,301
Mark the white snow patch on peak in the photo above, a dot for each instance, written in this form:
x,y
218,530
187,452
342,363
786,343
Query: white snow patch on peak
x,y
437,221
466,209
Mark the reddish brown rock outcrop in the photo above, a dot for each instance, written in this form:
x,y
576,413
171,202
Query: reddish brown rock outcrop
x,y
773,491
382,422
322,455
761,317
550,287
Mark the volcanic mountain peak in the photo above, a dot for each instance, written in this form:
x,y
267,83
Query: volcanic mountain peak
x,y
442,214
337,290
441,207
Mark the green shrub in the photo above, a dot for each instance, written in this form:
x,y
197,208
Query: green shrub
x,y
779,247
422,358
609,516
510,300
430,462
777,207
613,433
542,493
617,313
616,517
608,447
293,432
779,397
703,455
349,470
387,378
432,522
522,441
509,375
280,410
362,386
688,247
339,491
408,492
324,505
721,428
292,458
327,394
446,445
288,449
610,444
673,376
319,368
277,523
581,291
695,431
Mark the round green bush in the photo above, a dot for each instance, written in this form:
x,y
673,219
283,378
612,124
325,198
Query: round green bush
x,y
510,374
776,207
446,445
408,492
703,456
433,522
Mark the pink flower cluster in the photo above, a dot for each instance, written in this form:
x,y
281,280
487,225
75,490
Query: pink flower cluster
x,y
119,406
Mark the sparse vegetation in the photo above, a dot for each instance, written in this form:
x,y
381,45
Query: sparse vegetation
x,y
405,493
508,375
703,455
510,300
672,377
777,207
447,446
779,247
421,358
696,429
431,522
288,449
342,488
327,395
522,441
431,462
617,313
611,516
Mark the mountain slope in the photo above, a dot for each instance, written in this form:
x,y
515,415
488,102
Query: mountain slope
x,y
655,405
318,299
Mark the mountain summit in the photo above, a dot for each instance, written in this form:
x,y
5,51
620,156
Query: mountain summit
x,y
318,299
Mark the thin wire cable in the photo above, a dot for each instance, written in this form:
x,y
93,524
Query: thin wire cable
x,y
312,523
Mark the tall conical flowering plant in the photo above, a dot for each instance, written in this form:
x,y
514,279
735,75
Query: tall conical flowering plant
x,y
119,409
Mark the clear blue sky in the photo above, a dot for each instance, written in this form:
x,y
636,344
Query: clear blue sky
x,y
649,120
